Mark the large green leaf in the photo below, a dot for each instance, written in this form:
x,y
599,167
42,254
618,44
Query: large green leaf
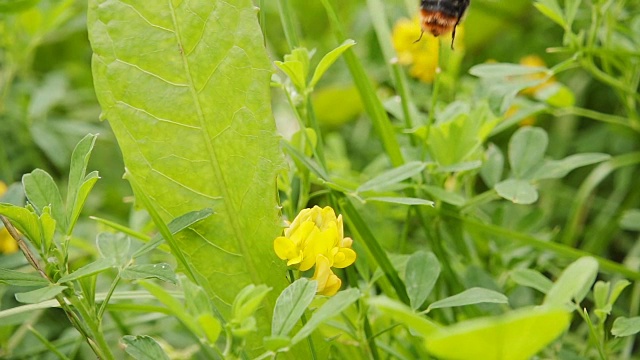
x,y
185,87
517,335
469,297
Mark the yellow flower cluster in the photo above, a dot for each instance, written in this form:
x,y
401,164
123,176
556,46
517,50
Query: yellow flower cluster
x,y
7,243
422,55
535,61
532,61
315,237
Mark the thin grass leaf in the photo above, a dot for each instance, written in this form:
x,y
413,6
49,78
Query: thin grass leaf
x,y
360,227
393,176
470,297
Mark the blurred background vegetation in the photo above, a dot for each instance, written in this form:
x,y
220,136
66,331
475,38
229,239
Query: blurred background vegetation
x,y
47,104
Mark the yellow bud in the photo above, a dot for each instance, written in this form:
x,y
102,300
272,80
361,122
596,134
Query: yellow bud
x,y
328,282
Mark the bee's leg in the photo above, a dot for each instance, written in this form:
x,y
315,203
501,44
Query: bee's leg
x,y
420,38
453,33
453,36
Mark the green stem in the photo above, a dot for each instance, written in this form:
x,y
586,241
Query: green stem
x,y
434,98
360,227
97,340
48,344
589,65
480,199
634,304
312,348
17,335
288,20
228,343
378,13
313,121
592,330
595,115
578,208
371,340
112,288
373,106
560,249
288,24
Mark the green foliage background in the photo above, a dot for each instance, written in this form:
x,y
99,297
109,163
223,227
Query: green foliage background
x,y
191,118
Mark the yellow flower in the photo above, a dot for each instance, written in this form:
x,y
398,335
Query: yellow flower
x,y
316,237
536,61
532,61
342,255
422,55
315,231
7,244
328,282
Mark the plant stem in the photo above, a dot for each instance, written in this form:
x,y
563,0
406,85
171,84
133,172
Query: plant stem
x,y
597,175
312,348
371,340
48,344
360,227
96,340
288,24
560,249
112,288
480,199
595,115
372,104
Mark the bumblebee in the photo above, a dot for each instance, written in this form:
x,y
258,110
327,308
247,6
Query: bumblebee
x,y
441,16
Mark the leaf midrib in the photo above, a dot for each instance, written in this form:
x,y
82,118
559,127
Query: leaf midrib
x,y
233,220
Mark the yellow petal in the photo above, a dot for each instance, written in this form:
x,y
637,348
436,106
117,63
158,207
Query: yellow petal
x,y
7,244
328,282
318,243
346,242
322,271
325,217
344,257
301,234
332,286
303,216
286,249
340,227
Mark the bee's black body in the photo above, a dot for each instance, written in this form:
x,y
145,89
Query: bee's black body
x,y
442,16
452,8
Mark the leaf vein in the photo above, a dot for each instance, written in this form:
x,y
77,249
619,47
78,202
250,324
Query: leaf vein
x,y
150,73
215,245
183,185
155,116
234,221
147,20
